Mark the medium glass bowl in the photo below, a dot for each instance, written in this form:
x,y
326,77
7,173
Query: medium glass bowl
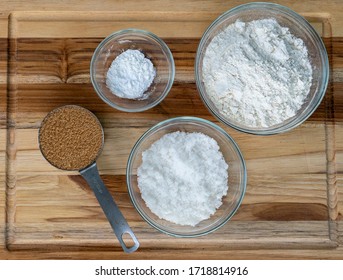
x,y
300,28
236,182
153,48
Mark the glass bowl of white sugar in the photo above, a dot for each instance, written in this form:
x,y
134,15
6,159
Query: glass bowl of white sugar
x,y
132,70
186,176
261,68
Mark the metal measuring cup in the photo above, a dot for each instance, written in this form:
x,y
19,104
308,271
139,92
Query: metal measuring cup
x,y
91,174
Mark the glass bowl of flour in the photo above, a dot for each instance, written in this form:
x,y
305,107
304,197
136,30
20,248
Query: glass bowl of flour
x,y
261,68
186,176
132,70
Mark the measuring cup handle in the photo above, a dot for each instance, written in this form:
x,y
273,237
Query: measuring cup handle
x,y
110,208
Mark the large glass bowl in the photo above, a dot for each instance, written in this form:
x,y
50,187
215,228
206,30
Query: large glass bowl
x,y
236,182
300,28
153,48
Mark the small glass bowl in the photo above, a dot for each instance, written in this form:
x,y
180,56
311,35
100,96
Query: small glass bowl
x,y
236,182
153,48
300,28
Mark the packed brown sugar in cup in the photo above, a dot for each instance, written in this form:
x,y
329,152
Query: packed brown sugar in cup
x,y
71,137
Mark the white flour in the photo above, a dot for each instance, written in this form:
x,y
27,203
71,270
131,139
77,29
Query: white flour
x,y
257,73
183,177
130,75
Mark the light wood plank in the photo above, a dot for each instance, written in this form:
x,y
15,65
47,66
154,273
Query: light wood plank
x,y
331,7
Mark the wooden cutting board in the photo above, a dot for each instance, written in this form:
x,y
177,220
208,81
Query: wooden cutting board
x,y
293,178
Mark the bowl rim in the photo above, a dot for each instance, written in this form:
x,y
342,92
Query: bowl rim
x,y
186,119
300,20
142,33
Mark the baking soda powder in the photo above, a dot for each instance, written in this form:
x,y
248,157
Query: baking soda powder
x,y
183,177
257,73
130,75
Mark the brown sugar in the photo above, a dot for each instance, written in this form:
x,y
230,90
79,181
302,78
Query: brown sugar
x,y
71,137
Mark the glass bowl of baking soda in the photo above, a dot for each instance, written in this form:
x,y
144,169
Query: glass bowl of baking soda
x,y
132,70
186,176
261,68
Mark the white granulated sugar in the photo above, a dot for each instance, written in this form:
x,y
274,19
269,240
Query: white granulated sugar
x,y
257,73
130,75
183,177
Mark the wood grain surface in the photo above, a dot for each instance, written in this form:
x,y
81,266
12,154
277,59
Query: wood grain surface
x,y
293,204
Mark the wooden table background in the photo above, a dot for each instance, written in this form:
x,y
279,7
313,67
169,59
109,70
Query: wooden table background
x,y
294,203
